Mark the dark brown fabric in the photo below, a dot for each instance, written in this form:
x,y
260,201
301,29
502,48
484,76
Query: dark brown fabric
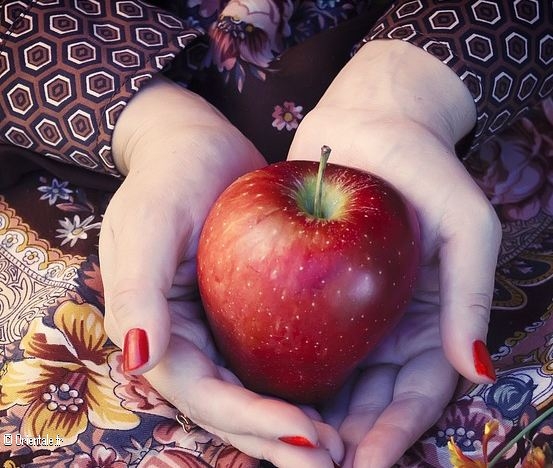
x,y
301,74
15,162
66,72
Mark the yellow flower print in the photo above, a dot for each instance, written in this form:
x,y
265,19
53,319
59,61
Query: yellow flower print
x,y
63,377
538,457
460,460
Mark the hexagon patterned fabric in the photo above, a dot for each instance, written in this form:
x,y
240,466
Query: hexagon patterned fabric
x,y
481,42
65,84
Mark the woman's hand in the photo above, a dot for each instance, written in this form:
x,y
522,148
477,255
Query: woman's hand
x,y
396,111
178,153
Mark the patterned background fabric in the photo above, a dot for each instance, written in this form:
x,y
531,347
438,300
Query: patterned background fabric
x,y
51,284
67,68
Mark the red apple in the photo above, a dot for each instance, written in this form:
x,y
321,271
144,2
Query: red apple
x,y
297,292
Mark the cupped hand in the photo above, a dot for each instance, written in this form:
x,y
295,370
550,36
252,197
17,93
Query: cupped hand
x,y
178,155
398,112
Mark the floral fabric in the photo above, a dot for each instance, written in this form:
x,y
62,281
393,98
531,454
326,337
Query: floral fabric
x,y
64,399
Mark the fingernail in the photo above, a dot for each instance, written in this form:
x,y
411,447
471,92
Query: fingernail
x,y
482,360
298,441
135,349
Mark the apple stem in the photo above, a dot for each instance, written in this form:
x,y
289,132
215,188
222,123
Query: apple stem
x,y
317,203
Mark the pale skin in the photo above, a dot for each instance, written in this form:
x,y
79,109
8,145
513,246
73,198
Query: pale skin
x,y
401,126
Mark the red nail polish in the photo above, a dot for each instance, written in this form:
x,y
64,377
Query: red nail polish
x,y
135,349
298,441
482,360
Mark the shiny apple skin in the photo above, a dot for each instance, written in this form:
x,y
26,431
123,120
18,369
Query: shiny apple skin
x,y
294,302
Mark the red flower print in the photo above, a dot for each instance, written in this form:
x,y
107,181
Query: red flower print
x,y
287,116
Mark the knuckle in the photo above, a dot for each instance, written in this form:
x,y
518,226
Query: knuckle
x,y
479,305
118,312
182,398
118,299
355,426
485,216
194,331
122,304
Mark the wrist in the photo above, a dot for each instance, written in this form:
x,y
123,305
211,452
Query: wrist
x,y
392,80
167,125
170,141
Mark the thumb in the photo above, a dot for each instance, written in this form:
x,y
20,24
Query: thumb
x,y
468,257
143,240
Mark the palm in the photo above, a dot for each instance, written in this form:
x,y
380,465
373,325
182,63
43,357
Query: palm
x,y
187,317
191,376
158,293
395,395
401,389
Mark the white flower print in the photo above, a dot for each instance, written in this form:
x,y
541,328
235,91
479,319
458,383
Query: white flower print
x,y
54,191
73,230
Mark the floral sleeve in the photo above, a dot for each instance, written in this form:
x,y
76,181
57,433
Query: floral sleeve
x,y
68,68
502,50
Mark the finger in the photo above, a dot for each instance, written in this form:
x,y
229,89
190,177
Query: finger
x,y
311,412
468,257
190,381
330,440
281,454
184,282
372,394
422,390
140,248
